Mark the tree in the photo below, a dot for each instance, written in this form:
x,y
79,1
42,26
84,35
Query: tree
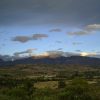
x,y
78,90
29,88
61,84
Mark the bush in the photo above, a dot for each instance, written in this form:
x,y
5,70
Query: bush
x,y
61,84
78,90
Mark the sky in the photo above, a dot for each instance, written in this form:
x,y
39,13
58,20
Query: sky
x,y
38,26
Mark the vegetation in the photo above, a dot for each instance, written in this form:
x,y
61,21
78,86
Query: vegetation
x,y
76,89
68,84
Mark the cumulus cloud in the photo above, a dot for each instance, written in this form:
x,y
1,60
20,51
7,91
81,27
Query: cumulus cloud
x,y
86,30
24,39
55,30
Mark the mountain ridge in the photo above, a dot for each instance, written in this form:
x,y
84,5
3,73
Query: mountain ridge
x,y
74,60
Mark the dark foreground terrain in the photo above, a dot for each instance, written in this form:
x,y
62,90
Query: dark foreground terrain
x,y
49,82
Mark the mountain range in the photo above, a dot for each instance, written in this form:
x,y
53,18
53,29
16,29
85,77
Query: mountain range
x,y
72,60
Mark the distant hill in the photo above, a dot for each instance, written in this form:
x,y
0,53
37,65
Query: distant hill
x,y
74,60
1,60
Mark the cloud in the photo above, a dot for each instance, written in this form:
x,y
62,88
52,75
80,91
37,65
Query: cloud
x,y
55,30
78,50
32,12
78,33
93,27
24,39
90,54
17,55
39,36
68,54
29,51
54,54
6,57
58,41
88,29
59,53
51,54
98,52
27,12
76,43
59,48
